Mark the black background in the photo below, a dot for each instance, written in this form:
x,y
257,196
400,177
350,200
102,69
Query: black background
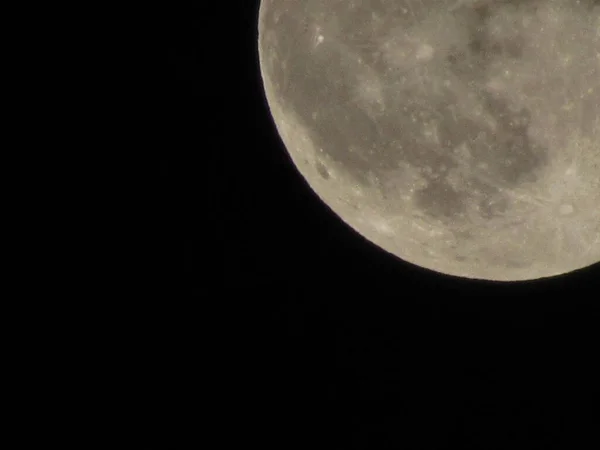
x,y
335,342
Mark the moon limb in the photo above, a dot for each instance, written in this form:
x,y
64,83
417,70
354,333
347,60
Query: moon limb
x,y
480,196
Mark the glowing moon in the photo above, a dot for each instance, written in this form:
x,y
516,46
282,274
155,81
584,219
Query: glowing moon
x,y
461,135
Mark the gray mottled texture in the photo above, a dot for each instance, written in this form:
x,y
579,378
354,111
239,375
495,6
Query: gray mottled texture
x,y
460,135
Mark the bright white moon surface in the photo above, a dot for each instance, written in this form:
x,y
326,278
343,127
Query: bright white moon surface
x,y
462,136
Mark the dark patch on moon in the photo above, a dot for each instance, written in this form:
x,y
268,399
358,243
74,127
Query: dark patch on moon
x,y
513,264
513,47
491,208
482,47
517,157
322,170
440,200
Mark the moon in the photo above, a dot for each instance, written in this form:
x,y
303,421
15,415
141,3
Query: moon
x,y
462,136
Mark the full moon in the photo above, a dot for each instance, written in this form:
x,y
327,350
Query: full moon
x,y
462,136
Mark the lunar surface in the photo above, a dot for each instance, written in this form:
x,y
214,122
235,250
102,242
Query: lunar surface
x,y
462,136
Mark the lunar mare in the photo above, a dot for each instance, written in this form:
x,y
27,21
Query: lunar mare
x,y
462,136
